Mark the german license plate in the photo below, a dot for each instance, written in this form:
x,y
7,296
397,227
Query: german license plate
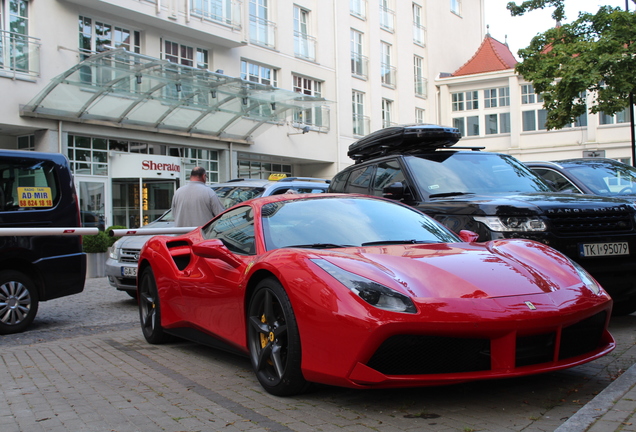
x,y
603,249
129,271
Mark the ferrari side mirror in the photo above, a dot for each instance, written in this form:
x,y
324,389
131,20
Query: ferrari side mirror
x,y
215,249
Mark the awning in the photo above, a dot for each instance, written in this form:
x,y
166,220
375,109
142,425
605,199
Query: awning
x,y
123,89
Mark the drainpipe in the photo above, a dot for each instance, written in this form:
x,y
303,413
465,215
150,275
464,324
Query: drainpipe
x,y
631,113
59,136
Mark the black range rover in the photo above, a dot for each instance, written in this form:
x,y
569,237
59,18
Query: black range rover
x,y
496,196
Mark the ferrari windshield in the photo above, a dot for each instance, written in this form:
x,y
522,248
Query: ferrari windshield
x,y
458,173
332,222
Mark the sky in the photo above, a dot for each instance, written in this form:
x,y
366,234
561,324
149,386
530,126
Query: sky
x,y
521,29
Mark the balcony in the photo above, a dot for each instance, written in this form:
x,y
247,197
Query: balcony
x,y
387,19
19,55
359,66
262,32
421,87
226,12
361,125
419,34
388,75
304,46
358,8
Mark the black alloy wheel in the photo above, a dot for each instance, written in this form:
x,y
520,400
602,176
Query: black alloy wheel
x,y
18,302
274,341
149,310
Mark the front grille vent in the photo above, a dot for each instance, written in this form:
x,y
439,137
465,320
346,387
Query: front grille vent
x,y
618,219
129,255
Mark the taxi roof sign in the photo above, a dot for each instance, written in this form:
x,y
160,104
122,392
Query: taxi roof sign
x,y
276,176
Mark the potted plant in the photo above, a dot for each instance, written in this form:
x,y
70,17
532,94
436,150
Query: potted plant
x,y
96,247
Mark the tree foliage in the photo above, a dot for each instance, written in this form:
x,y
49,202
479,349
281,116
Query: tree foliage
x,y
596,53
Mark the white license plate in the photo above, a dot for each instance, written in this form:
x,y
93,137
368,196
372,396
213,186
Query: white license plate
x,y
604,249
129,271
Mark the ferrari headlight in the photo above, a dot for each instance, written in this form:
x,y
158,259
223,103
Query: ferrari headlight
x,y
375,294
512,223
588,280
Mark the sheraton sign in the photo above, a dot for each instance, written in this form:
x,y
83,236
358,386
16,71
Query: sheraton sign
x,y
154,166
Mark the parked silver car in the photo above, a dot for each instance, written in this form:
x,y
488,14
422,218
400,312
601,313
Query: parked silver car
x,y
121,265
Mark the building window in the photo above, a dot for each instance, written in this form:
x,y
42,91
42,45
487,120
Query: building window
x,y
26,142
358,60
497,123
304,45
185,55
418,27
419,115
534,120
208,159
495,97
214,10
262,30
259,73
359,119
465,101
456,7
358,8
16,47
468,126
387,113
420,81
311,116
528,96
260,169
387,16
619,117
88,155
98,36
387,70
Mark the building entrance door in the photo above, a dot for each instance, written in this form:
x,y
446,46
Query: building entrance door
x,y
137,202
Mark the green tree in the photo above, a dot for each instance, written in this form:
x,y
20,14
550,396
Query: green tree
x,y
595,53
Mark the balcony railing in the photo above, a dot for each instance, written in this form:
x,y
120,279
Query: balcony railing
x,y
421,86
227,12
359,65
358,8
388,75
387,18
361,125
316,118
419,34
19,54
304,46
262,32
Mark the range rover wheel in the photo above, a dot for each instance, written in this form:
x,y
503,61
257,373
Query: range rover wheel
x,y
18,302
274,341
150,311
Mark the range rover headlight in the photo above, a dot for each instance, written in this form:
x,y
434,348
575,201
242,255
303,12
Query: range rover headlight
x,y
588,280
375,294
512,223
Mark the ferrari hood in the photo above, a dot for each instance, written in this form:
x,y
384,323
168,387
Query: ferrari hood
x,y
500,268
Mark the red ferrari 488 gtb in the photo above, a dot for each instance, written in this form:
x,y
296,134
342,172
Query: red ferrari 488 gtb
x,y
364,292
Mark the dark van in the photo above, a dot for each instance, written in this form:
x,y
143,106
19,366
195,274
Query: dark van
x,y
36,191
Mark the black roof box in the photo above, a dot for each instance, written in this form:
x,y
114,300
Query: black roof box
x,y
403,139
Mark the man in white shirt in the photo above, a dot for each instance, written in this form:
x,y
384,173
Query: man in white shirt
x,y
195,203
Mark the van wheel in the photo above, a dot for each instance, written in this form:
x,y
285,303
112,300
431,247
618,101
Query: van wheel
x,y
18,302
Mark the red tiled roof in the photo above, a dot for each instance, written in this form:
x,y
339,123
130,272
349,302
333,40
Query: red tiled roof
x,y
491,56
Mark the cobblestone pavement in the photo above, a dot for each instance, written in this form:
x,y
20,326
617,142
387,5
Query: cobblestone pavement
x,y
84,366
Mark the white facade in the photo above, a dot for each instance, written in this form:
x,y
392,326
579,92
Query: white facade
x,y
304,46
595,135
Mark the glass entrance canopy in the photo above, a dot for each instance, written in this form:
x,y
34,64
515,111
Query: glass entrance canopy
x,y
123,89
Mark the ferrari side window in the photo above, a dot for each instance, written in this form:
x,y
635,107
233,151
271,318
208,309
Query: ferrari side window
x,y
235,229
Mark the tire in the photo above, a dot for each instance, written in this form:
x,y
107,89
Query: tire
x,y
18,302
274,341
150,310
132,294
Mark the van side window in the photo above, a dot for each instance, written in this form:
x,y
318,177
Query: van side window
x,y
360,179
387,173
27,185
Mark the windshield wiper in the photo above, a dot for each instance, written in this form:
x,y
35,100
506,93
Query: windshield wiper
x,y
320,246
447,194
396,242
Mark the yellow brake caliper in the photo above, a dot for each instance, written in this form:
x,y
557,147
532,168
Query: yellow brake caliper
x,y
263,336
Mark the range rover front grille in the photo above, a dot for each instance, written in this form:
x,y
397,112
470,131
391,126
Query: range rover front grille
x,y
572,221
